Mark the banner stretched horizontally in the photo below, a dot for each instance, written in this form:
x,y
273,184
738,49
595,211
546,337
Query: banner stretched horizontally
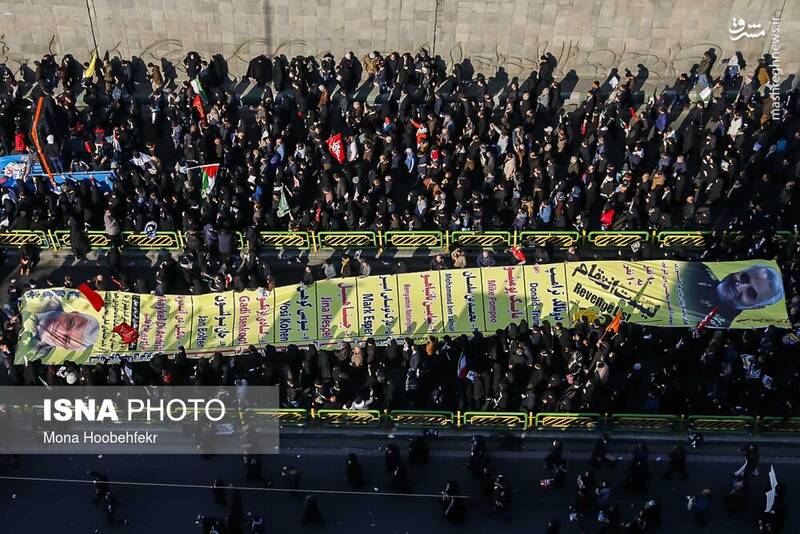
x,y
60,324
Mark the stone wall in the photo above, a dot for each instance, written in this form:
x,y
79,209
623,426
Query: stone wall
x,y
587,36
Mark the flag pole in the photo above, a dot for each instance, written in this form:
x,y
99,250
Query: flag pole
x,y
201,166
91,26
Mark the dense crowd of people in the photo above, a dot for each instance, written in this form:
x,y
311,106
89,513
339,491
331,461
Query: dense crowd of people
x,y
423,147
427,148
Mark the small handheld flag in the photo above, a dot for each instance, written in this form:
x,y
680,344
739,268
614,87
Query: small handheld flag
x,y
707,319
336,147
92,296
126,332
197,103
283,205
614,325
208,173
198,89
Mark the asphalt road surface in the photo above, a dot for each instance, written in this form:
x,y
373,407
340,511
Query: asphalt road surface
x,y
164,494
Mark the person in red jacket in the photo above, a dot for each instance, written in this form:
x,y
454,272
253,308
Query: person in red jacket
x,y
20,142
517,256
607,218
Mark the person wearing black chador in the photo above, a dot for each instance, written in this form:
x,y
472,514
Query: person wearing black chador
x,y
260,70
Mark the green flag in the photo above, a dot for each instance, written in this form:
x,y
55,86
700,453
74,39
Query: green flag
x,y
283,204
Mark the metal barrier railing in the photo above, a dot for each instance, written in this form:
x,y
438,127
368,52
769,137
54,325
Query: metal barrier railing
x,y
283,416
424,239
615,240
412,239
281,240
96,238
135,240
622,422
567,421
347,417
480,239
779,425
712,423
333,240
20,238
675,239
558,240
644,422
162,240
420,418
506,420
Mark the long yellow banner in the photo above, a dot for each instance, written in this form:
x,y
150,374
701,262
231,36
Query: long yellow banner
x,y
60,325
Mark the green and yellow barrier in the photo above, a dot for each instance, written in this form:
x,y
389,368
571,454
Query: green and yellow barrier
x,y
96,238
347,417
162,240
712,423
413,239
421,418
615,240
780,425
283,416
329,240
507,420
675,239
20,238
632,422
480,239
135,240
567,421
558,240
280,240
781,238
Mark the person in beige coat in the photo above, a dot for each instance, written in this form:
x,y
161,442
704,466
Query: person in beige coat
x,y
155,77
459,260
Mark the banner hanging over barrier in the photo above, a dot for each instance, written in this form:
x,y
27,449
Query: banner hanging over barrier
x,y
61,325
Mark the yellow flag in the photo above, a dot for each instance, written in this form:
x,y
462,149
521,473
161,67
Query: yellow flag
x,y
89,72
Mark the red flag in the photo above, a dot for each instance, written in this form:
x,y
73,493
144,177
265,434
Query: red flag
x,y
197,102
614,325
336,147
92,296
707,319
127,333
